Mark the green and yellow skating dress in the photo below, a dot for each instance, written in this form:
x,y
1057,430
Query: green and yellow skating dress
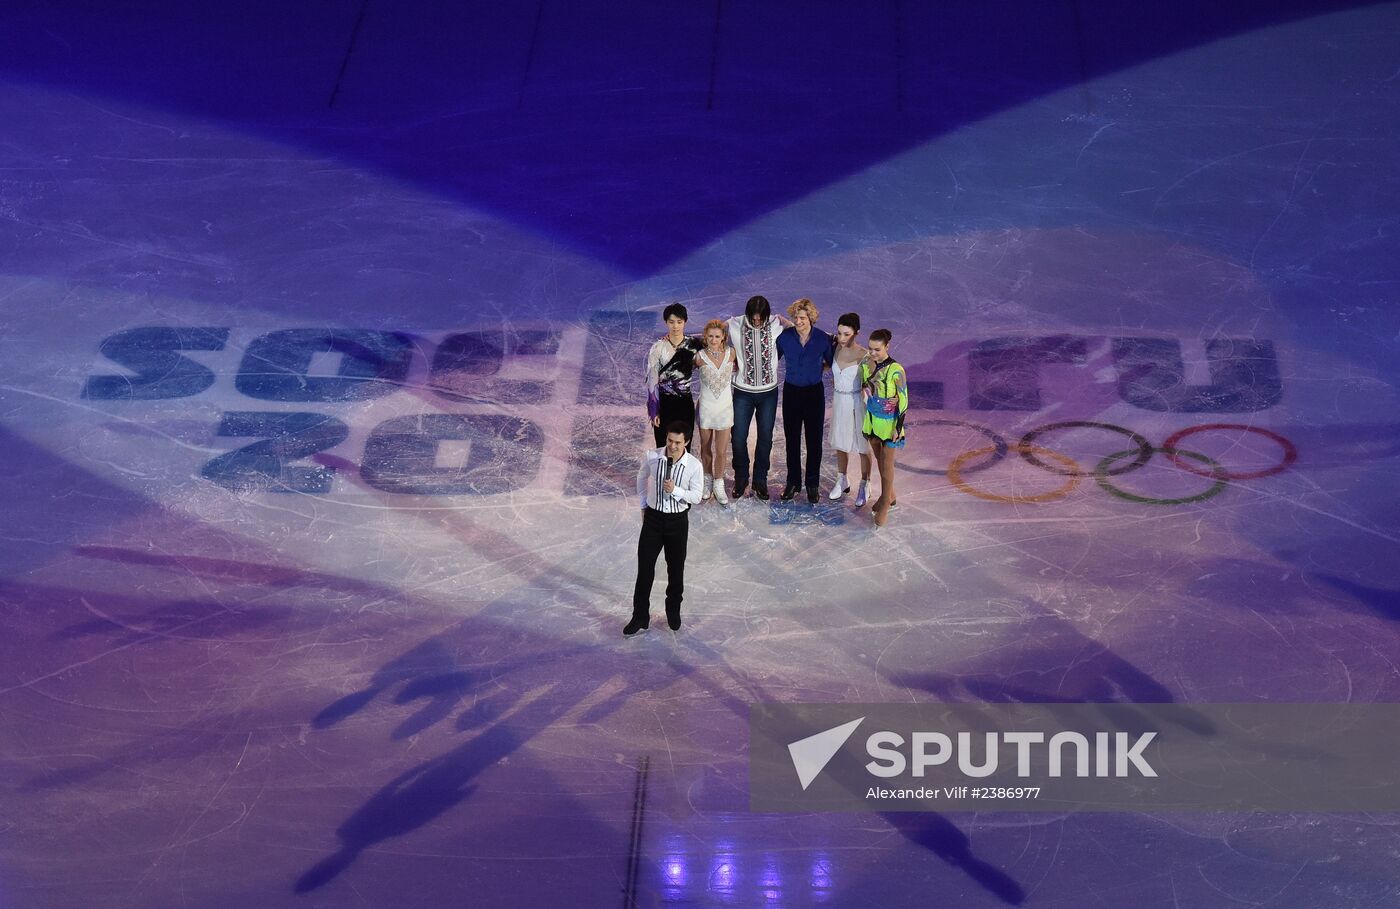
x,y
885,382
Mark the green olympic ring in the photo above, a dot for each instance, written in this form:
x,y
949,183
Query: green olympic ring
x,y
1102,473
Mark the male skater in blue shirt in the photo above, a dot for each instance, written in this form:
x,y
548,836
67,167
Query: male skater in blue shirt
x,y
807,350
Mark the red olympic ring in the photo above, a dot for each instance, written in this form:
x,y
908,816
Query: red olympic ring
x,y
1290,451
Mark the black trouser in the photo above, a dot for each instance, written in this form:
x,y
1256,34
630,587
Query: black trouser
x,y
804,406
675,407
668,533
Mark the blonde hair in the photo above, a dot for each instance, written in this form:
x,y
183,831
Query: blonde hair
x,y
723,332
801,305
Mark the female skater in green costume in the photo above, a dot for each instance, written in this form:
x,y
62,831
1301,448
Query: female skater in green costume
x,y
886,400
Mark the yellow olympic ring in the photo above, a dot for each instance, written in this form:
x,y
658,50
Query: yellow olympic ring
x,y
1071,478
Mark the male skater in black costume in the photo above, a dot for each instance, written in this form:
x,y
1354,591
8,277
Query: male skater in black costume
x,y
669,482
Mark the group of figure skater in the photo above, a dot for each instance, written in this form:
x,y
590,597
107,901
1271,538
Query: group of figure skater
x,y
737,361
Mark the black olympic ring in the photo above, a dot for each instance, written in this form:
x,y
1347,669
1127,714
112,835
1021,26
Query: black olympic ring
x,y
1144,447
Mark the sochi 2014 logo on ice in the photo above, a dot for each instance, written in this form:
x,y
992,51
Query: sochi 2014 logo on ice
x,y
501,395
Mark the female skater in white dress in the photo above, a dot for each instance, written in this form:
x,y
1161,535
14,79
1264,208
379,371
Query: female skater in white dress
x,y
716,418
848,408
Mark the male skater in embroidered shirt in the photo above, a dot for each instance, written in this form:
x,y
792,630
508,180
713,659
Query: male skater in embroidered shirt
x,y
669,482
754,337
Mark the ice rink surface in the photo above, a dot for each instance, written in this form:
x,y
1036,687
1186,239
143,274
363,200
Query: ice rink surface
x,y
320,402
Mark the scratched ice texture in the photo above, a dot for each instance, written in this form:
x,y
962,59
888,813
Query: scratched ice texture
x,y
318,445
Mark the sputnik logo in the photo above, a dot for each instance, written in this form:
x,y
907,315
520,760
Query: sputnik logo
x,y
811,754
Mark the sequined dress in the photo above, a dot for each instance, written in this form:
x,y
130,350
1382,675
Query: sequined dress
x,y
716,391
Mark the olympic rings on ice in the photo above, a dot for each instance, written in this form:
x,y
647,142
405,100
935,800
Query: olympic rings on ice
x,y
1114,465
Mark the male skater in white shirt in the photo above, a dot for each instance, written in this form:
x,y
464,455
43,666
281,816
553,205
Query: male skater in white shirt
x,y
754,337
669,482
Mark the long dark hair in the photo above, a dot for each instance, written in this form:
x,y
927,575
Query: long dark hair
x,y
757,306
